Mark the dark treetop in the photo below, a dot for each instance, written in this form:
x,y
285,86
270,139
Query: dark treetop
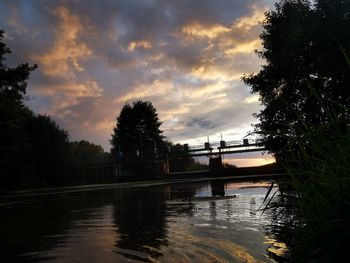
x,y
306,79
138,128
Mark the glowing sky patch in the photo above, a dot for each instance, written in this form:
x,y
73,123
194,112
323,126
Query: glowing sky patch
x,y
187,57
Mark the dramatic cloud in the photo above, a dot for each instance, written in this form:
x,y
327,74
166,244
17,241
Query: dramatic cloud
x,y
187,57
66,51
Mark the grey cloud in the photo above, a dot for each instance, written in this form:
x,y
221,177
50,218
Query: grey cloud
x,y
236,114
185,57
154,21
109,27
201,123
130,20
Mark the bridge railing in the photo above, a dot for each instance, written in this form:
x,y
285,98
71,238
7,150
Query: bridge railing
x,y
232,143
196,147
209,146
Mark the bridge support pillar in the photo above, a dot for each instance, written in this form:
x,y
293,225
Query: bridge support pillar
x,y
215,166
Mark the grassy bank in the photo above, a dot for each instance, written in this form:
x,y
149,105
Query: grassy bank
x,y
319,171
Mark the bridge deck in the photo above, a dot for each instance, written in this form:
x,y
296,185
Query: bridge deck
x,y
223,147
207,153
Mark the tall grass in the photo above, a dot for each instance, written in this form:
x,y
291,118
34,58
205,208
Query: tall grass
x,y
320,172
318,166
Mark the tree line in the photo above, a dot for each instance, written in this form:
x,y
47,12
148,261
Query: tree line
x,y
34,150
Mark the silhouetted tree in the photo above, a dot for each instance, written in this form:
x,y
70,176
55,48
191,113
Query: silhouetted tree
x,y
138,128
85,150
306,77
82,153
47,152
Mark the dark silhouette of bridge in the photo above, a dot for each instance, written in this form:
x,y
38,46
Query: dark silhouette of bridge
x,y
215,151
223,147
208,149
161,159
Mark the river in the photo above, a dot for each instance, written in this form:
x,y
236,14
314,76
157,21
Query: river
x,y
212,221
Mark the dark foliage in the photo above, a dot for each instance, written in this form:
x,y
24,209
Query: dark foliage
x,y
305,90
34,150
138,128
306,76
81,154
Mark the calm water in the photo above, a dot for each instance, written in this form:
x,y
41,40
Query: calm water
x,y
194,222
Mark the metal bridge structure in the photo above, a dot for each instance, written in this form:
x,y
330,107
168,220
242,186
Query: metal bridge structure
x,y
208,149
223,147
215,152
161,158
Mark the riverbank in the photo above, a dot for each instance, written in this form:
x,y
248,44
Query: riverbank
x,y
18,194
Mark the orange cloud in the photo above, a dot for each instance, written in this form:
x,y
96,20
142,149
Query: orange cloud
x,y
84,89
106,125
247,47
139,44
157,88
251,20
67,51
214,71
224,43
208,90
198,30
197,68
172,114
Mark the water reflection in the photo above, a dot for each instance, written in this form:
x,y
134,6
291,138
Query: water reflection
x,y
282,211
140,218
217,188
194,222
39,224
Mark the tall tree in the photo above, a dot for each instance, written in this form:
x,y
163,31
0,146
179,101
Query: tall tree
x,y
138,128
306,76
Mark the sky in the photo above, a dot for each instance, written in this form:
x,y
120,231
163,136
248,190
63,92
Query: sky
x,y
186,57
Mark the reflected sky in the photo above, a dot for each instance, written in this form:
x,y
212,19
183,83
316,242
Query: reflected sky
x,y
195,222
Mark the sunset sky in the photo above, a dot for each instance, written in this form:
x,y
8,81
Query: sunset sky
x,y
186,57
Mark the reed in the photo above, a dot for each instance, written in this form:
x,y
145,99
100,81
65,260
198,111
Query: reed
x,y
320,173
318,165
313,216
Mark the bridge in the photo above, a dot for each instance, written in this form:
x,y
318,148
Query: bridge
x,y
208,149
221,148
161,159
215,150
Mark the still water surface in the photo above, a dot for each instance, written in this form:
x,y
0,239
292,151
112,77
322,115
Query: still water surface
x,y
215,221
